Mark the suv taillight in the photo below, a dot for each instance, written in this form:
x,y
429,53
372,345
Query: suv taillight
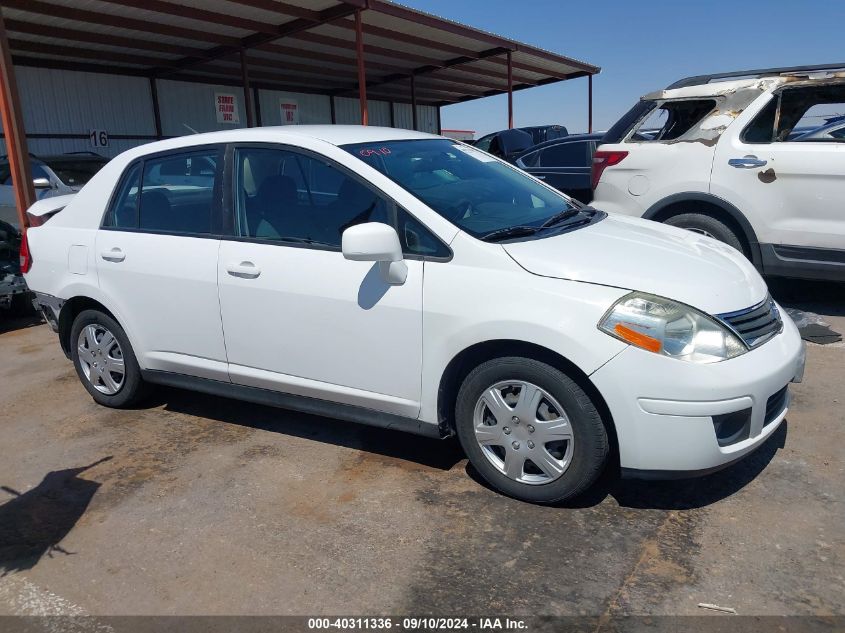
x,y
602,160
26,258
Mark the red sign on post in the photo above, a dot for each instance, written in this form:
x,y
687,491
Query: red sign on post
x,y
290,111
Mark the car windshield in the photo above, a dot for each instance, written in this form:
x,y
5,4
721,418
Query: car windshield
x,y
75,173
477,192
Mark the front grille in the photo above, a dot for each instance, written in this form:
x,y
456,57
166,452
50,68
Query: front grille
x,y
775,405
754,325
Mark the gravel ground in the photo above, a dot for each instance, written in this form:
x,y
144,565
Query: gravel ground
x,y
201,505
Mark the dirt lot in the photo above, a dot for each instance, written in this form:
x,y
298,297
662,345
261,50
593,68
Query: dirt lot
x,y
196,504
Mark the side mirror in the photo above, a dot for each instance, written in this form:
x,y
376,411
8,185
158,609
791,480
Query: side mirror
x,y
41,183
376,242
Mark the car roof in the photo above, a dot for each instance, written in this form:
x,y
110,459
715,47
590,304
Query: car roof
x,y
572,138
334,134
714,89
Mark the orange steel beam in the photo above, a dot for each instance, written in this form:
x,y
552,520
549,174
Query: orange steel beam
x,y
12,118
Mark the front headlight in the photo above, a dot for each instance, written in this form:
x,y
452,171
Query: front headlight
x,y
670,328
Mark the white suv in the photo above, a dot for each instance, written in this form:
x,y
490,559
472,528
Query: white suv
x,y
736,157
408,281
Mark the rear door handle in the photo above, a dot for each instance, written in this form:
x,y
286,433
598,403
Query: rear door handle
x,y
244,270
114,255
746,162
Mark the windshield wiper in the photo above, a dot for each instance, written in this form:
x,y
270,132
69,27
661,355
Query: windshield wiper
x,y
560,217
509,232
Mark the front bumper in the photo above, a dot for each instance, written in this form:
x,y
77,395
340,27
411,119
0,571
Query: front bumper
x,y
666,411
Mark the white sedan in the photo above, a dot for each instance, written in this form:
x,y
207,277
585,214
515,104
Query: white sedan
x,y
405,280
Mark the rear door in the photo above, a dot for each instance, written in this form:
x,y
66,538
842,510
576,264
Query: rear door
x,y
157,261
791,190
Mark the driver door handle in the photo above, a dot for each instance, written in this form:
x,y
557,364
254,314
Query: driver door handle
x,y
244,270
746,162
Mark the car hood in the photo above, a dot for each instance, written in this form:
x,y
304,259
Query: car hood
x,y
643,255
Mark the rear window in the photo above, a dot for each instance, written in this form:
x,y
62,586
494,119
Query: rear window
x,y
671,119
76,173
177,194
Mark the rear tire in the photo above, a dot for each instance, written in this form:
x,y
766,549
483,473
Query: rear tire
x,y
541,441
104,360
709,226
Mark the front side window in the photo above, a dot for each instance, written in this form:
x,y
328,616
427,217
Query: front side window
x,y
814,113
478,193
672,119
281,195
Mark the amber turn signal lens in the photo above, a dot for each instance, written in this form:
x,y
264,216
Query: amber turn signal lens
x,y
638,339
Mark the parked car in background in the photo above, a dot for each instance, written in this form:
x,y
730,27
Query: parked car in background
x,y
829,132
430,288
564,163
723,164
14,296
51,175
539,134
508,144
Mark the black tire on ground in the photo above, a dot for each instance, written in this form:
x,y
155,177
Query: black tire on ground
x,y
707,224
591,445
133,389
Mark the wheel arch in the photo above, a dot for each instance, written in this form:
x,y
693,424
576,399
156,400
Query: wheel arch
x,y
471,357
73,307
721,209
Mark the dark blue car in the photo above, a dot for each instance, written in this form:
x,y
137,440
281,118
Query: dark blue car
x,y
564,163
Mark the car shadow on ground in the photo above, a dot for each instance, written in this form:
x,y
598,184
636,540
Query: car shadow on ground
x,y
433,453
826,298
9,322
446,454
33,523
679,494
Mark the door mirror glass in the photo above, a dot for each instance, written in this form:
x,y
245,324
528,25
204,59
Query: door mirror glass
x,y
41,183
376,242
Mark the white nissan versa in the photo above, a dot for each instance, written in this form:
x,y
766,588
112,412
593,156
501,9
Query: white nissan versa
x,y
408,281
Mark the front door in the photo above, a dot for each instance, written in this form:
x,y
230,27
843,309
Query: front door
x,y
297,316
784,173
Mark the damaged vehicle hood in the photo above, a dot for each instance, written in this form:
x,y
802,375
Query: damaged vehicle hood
x,y
637,254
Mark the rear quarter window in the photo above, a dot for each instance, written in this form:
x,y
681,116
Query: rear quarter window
x,y
670,120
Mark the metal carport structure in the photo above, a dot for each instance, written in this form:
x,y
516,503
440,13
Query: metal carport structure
x,y
369,49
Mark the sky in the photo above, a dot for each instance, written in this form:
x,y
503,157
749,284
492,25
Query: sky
x,y
640,47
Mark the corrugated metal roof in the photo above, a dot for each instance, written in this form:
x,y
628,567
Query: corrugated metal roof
x,y
308,44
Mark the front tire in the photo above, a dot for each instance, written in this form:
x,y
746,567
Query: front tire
x,y
707,225
104,360
530,430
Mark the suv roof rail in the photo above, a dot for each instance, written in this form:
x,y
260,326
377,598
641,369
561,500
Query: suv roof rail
x,y
751,74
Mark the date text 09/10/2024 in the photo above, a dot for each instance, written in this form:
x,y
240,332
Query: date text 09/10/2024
x,y
418,624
